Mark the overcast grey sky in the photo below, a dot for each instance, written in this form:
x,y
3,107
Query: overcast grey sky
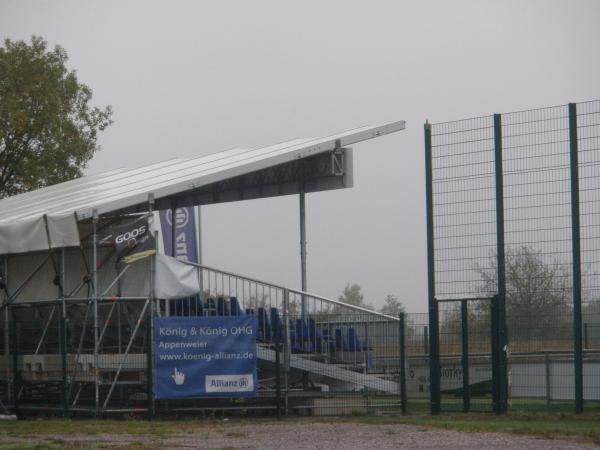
x,y
188,78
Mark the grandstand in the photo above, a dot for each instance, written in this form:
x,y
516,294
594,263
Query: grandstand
x,y
75,326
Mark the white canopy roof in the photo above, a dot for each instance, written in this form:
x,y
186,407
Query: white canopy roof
x,y
23,227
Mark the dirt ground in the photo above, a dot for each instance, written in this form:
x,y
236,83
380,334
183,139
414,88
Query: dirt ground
x,y
289,435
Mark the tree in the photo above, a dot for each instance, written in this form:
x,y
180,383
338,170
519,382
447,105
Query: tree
x,y
392,306
537,294
353,296
48,129
591,320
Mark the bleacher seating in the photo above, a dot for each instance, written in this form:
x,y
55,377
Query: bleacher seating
x,y
306,335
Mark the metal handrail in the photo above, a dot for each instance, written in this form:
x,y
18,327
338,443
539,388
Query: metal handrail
x,y
291,290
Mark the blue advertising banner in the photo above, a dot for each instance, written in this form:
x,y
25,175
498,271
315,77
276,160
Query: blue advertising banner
x,y
204,356
186,240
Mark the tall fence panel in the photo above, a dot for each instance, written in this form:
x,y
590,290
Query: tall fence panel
x,y
588,134
464,243
539,257
523,226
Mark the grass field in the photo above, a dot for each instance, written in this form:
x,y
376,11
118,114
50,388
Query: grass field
x,y
551,425
55,434
479,404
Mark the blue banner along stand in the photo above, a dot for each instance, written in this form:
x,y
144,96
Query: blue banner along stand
x,y
204,356
186,239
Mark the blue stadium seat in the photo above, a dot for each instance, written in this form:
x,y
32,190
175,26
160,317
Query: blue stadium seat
x,y
315,336
234,305
276,325
353,340
301,330
340,341
292,335
264,330
222,307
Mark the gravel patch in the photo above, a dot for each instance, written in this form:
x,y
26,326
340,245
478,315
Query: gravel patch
x,y
306,435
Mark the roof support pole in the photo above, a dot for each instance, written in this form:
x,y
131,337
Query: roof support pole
x,y
153,311
303,249
199,248
63,279
62,339
4,275
95,293
199,225
173,245
173,227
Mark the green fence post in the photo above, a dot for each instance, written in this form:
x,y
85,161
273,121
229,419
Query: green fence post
x,y
402,343
278,374
62,342
15,366
434,353
502,372
576,249
465,355
495,353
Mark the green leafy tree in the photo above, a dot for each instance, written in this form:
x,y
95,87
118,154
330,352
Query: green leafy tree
x,y
353,295
591,322
392,306
538,295
48,129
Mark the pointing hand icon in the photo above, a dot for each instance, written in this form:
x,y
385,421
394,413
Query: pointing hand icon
x,y
178,377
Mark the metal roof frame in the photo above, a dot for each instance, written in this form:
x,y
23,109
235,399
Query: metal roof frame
x,y
127,190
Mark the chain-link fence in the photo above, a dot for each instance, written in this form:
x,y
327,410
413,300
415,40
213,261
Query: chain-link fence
x,y
314,356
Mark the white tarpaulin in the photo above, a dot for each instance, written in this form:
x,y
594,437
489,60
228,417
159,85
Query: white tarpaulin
x,y
175,279
29,235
